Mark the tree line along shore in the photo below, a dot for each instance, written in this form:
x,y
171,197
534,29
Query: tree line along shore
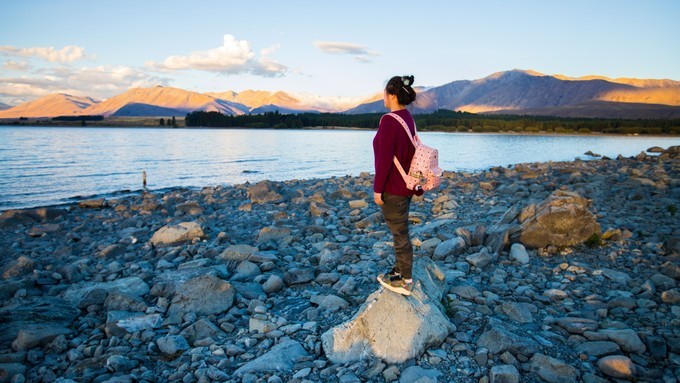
x,y
441,120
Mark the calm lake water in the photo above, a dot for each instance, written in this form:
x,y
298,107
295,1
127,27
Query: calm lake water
x,y
45,166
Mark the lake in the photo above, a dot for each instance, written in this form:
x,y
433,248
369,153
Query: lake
x,y
48,165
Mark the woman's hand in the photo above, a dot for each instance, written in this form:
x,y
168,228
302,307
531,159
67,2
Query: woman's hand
x,y
377,197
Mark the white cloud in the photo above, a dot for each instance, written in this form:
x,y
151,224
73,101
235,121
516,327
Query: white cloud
x,y
67,54
233,57
360,52
16,65
99,82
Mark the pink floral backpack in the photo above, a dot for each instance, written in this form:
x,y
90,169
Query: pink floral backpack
x,y
424,173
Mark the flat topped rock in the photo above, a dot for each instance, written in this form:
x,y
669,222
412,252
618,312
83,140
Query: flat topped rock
x,y
40,320
281,358
176,234
393,327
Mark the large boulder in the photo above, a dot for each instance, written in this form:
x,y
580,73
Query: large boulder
x,y
561,220
203,295
132,286
35,321
393,327
172,235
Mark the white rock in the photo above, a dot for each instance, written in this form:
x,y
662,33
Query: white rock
x,y
175,234
393,327
519,253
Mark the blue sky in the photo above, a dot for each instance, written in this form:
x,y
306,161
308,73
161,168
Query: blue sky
x,y
345,48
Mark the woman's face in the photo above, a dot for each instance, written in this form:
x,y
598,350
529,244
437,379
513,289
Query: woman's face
x,y
387,99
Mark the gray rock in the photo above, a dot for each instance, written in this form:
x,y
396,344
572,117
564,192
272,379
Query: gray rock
x,y
21,266
480,260
120,363
120,323
627,339
249,290
499,337
453,246
598,348
561,220
37,335
112,251
519,312
296,276
201,329
553,370
202,295
11,371
133,286
273,234
43,229
189,208
172,235
555,294
273,284
663,282
519,253
657,347
237,252
167,283
466,292
617,366
280,358
417,374
262,192
386,319
37,313
617,276
577,325
246,270
172,344
372,219
505,373
329,302
670,269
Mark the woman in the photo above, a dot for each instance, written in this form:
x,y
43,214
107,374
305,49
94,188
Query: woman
x,y
389,188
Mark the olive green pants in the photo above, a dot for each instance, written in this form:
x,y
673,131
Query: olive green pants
x,y
395,212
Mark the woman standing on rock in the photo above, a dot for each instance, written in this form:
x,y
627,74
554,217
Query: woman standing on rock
x,y
389,188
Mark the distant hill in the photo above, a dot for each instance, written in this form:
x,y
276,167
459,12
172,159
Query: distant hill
x,y
263,101
511,92
4,106
165,97
528,92
58,104
146,110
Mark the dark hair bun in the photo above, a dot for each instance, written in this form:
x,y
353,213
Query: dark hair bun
x,y
402,87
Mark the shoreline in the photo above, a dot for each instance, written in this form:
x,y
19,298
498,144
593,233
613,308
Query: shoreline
x,y
95,125
286,261
127,193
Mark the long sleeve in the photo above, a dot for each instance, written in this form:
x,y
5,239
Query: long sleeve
x,y
389,142
383,151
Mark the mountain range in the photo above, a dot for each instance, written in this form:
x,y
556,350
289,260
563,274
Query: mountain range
x,y
520,92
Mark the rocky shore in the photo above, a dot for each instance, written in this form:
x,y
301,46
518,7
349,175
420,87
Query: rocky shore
x,y
557,272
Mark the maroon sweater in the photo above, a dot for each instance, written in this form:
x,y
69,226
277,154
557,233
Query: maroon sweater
x,y
392,140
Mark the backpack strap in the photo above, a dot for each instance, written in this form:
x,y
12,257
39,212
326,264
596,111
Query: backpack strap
x,y
414,140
